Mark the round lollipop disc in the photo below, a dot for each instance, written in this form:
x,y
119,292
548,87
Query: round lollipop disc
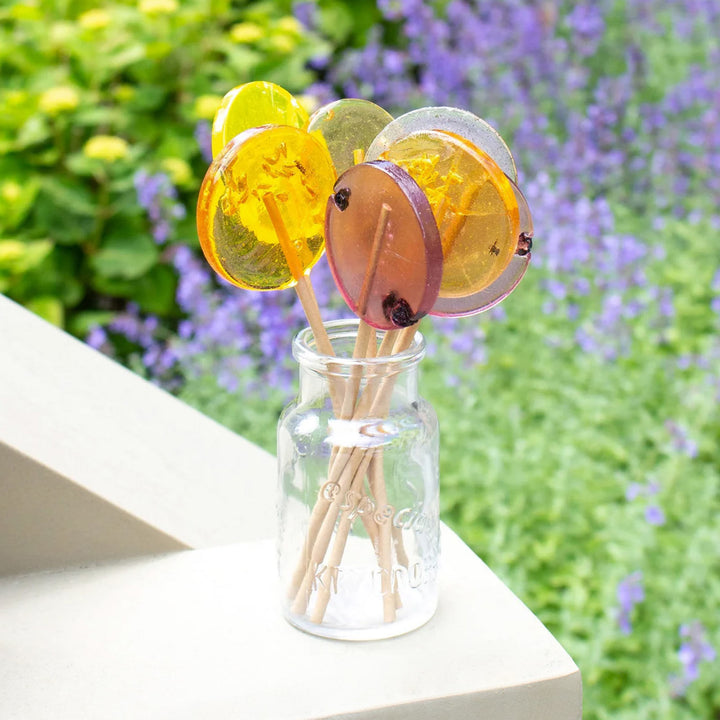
x,y
473,203
454,120
251,105
261,208
383,245
508,279
348,126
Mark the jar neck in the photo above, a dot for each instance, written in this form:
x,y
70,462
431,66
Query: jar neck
x,y
335,376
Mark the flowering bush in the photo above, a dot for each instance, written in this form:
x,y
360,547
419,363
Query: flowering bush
x,y
99,163
579,418
579,458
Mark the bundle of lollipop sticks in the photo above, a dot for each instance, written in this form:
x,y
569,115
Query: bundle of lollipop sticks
x,y
418,215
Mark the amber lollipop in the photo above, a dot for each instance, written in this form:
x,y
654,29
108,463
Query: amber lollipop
x,y
476,277
261,213
449,119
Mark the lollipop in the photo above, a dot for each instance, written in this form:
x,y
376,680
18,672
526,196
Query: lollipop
x,y
348,127
508,280
260,173
383,245
450,119
261,213
251,105
473,130
473,203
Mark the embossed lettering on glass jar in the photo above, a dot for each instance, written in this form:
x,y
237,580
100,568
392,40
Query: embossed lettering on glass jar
x,y
358,507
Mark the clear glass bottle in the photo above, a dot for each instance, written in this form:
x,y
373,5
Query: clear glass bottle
x,y
358,507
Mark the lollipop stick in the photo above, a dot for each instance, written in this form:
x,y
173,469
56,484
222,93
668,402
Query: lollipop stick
x,y
365,343
351,477
364,340
342,531
305,293
376,477
453,230
303,288
341,474
377,245
364,331
339,460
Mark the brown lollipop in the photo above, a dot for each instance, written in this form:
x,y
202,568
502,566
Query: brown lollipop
x,y
383,245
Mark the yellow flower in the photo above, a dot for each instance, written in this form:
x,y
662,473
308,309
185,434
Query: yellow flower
x,y
246,32
290,25
206,106
10,251
61,33
14,98
178,170
10,191
282,43
157,7
106,147
59,99
96,19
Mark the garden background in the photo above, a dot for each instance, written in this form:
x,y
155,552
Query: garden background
x,y
579,419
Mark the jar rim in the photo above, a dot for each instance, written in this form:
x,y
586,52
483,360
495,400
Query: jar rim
x,y
306,353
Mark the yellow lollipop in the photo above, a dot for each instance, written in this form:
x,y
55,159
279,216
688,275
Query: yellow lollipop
x,y
261,209
473,203
251,105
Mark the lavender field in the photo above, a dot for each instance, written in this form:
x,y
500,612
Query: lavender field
x,y
580,419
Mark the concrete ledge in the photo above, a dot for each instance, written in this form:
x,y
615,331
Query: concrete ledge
x,y
96,463
199,634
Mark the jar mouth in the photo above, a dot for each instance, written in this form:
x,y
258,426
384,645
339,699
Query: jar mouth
x,y
342,334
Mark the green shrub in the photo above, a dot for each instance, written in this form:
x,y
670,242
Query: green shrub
x,y
91,97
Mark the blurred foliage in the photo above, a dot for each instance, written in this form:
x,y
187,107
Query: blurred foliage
x,y
91,95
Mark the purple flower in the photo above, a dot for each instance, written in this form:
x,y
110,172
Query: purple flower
x,y
203,137
158,197
715,282
630,592
654,515
97,338
681,441
694,650
306,13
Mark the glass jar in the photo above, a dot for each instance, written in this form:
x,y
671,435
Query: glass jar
x,y
358,508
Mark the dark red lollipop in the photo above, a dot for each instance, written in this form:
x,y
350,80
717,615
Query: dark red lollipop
x,y
383,245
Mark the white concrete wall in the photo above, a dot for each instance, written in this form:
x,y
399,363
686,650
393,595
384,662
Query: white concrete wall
x,y
96,463
199,634
97,466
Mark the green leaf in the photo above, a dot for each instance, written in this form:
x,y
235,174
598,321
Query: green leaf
x,y
154,292
35,131
49,308
18,257
125,256
16,199
129,56
148,97
81,324
69,194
